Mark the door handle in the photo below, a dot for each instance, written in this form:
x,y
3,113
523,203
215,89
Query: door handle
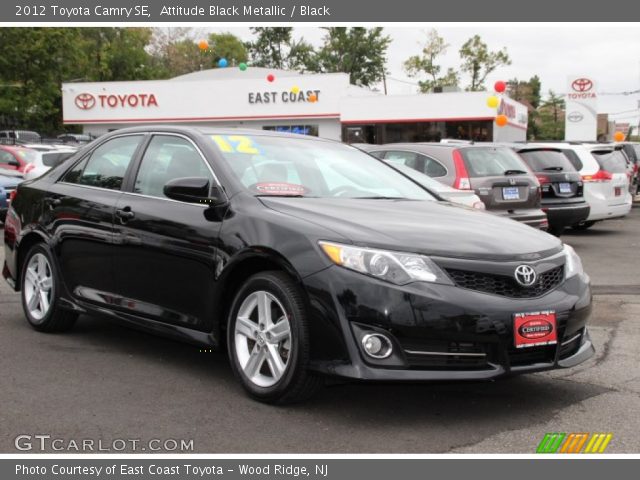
x,y
125,213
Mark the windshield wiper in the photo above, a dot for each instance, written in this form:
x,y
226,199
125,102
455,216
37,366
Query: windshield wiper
x,y
553,169
284,195
514,172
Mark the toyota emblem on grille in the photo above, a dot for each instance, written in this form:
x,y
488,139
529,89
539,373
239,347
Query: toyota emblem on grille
x,y
525,275
85,101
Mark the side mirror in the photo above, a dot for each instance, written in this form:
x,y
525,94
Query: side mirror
x,y
192,190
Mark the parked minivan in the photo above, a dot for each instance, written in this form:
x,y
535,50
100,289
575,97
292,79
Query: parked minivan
x,y
496,173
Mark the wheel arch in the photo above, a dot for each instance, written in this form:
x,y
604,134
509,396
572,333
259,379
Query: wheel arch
x,y
29,240
243,266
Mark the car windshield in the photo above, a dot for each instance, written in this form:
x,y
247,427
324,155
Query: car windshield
x,y
612,161
284,166
492,161
27,155
425,180
547,160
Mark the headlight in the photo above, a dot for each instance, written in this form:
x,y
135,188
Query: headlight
x,y
395,267
573,264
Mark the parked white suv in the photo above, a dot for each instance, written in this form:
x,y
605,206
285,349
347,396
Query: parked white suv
x,y
604,173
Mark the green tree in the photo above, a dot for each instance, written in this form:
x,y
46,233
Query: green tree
x,y
551,117
275,47
478,61
226,45
427,64
527,92
358,51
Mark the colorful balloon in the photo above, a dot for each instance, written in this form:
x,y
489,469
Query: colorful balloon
x,y
295,89
271,77
203,44
501,120
242,66
500,86
312,98
618,136
222,63
493,101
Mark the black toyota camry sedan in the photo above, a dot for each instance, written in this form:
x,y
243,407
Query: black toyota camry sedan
x,y
301,257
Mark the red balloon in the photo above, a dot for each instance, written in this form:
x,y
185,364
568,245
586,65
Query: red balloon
x,y
500,86
271,77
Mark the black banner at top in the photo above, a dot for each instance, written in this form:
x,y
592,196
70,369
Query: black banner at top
x,y
315,11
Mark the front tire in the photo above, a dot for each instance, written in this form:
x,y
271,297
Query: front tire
x,y
40,286
268,340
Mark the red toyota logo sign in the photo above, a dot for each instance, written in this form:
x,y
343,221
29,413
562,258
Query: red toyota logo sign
x,y
85,101
582,85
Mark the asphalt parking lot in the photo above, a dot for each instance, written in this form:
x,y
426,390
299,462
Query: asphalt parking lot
x,y
102,381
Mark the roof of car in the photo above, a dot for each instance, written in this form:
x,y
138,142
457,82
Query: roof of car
x,y
214,131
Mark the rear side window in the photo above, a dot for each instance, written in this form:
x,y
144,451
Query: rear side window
x,y
631,152
107,164
492,162
541,160
417,161
611,161
573,158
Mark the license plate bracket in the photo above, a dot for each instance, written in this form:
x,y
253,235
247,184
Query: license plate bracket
x,y
510,193
535,329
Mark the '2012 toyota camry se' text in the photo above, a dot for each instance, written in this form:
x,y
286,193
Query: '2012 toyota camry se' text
x,y
302,257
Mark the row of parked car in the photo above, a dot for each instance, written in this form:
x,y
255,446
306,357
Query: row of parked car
x,y
26,161
551,186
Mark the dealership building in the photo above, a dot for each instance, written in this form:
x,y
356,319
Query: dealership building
x,y
325,105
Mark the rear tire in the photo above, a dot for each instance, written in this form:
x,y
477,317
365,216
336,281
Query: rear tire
x,y
268,340
583,226
40,287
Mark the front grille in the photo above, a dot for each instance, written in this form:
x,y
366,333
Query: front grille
x,y
507,286
529,356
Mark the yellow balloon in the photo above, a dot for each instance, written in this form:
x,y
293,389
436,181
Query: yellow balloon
x,y
493,101
295,90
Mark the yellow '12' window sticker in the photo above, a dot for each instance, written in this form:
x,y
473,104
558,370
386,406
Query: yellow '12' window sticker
x,y
235,144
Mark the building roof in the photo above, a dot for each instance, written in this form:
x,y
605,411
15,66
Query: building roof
x,y
236,73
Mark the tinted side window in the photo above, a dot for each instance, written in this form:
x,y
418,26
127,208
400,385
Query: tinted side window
x,y
168,157
433,168
107,165
410,159
378,154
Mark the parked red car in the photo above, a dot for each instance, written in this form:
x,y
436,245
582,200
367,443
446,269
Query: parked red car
x,y
15,158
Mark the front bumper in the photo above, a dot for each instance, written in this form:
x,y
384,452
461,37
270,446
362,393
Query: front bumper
x,y
440,332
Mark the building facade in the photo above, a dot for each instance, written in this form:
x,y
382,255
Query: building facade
x,y
325,105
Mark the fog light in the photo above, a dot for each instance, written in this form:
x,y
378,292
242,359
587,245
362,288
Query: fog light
x,y
377,345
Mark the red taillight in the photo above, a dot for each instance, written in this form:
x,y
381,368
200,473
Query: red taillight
x,y
599,176
13,195
462,181
543,179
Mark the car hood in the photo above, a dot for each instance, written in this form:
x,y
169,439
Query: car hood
x,y
434,228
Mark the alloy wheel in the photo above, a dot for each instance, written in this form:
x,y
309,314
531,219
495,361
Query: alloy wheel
x,y
262,338
38,286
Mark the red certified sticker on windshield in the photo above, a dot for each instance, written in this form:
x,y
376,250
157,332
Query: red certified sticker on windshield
x,y
280,188
535,329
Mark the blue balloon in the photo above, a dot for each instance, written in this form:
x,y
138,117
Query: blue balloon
x,y
223,62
